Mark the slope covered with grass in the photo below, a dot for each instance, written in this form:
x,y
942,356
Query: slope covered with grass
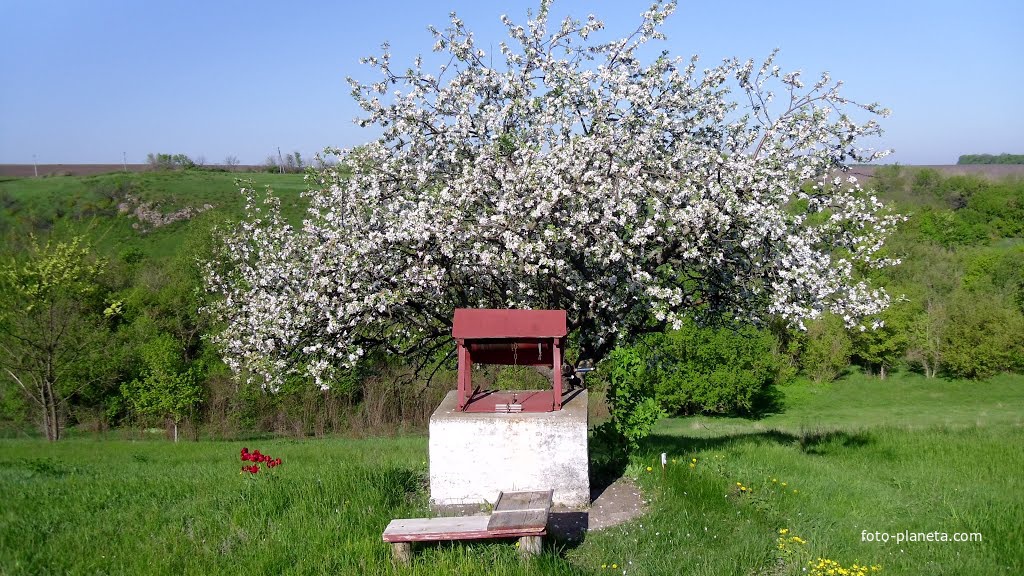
x,y
103,206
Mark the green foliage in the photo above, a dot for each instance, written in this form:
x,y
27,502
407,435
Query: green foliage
x,y
166,388
883,347
984,337
962,274
631,395
959,210
161,161
948,229
991,159
827,348
51,324
926,332
713,370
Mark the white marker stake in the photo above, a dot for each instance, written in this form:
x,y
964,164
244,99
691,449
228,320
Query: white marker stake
x,y
663,461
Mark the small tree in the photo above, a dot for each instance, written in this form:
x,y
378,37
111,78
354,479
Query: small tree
x,y
926,337
166,388
880,349
827,349
231,162
558,173
50,324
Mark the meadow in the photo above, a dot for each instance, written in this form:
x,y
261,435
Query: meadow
x,y
902,454
89,205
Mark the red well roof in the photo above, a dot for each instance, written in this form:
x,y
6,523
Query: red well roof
x,y
476,323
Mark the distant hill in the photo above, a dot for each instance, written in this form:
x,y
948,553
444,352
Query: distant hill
x,y
990,171
149,212
29,170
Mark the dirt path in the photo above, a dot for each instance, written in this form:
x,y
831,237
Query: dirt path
x,y
616,504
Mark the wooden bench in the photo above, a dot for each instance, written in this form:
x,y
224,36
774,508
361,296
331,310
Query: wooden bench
x,y
522,515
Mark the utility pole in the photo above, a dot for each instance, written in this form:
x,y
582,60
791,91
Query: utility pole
x,y
280,161
35,167
124,161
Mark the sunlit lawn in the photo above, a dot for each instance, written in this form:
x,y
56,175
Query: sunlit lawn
x,y
906,454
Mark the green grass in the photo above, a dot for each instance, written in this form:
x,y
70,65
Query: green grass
x,y
904,400
904,454
89,203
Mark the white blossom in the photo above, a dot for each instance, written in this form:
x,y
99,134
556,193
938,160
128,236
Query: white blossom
x,y
558,174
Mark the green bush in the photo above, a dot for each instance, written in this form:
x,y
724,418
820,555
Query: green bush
x,y
827,349
631,395
721,370
985,336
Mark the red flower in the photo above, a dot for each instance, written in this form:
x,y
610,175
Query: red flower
x,y
257,458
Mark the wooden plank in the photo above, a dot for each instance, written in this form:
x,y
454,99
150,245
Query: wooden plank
x,y
518,520
454,528
423,529
526,500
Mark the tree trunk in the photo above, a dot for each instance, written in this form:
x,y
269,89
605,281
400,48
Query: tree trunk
x,y
45,405
49,405
881,372
175,430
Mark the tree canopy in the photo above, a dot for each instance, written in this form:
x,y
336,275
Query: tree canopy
x,y
563,173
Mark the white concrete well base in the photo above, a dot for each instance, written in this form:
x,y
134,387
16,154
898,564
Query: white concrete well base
x,y
473,456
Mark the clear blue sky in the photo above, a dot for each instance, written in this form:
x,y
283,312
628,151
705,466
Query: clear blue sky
x,y
84,81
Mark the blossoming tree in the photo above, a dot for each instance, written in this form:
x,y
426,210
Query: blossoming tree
x,y
561,173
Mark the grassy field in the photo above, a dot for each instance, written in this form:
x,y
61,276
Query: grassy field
x,y
90,203
906,454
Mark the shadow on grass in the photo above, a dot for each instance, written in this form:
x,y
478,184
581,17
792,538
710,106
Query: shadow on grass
x,y
552,554
814,442
769,402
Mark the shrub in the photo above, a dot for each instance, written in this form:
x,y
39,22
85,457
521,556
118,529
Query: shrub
x,y
631,396
721,370
827,349
985,336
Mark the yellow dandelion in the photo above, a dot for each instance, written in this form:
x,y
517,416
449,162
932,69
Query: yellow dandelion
x,y
614,566
783,530
783,484
649,468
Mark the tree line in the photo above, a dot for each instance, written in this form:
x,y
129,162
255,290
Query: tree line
x,y
991,159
